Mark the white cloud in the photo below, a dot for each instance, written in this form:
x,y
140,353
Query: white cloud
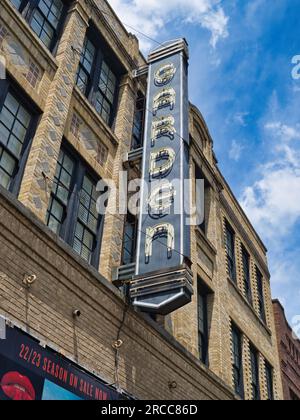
x,y
236,150
240,118
285,267
272,203
285,132
152,16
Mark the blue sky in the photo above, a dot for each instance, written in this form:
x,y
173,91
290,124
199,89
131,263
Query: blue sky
x,y
240,79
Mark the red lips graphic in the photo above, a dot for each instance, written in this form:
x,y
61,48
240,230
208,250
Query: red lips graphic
x,y
17,387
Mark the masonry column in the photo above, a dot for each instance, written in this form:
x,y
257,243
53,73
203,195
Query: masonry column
x,y
35,191
247,369
112,240
183,323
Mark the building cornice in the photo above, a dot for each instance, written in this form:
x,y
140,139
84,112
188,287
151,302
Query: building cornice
x,y
103,18
277,302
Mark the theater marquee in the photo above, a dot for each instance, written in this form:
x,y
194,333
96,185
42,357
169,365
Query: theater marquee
x,y
163,280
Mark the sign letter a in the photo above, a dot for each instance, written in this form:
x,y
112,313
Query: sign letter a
x,y
159,231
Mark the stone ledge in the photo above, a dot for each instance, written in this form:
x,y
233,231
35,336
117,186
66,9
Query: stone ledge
x,y
49,61
88,107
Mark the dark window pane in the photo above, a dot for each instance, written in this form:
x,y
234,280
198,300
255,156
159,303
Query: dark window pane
x,y
51,9
14,123
11,103
19,131
7,168
269,380
87,55
82,80
15,146
129,241
4,179
45,20
261,299
54,224
103,107
106,93
202,325
61,191
24,116
87,223
7,118
16,3
85,66
4,134
237,361
230,246
138,123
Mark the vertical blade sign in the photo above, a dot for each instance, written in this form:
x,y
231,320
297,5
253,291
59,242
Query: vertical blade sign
x,y
163,281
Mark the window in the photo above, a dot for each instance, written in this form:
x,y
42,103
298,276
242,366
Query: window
x,y
202,324
230,247
260,291
269,380
138,123
105,95
45,20
45,17
237,361
16,3
254,356
87,220
60,192
17,125
203,207
72,212
85,66
130,237
97,75
198,137
246,273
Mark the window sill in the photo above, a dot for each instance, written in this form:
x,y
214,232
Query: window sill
x,y
266,328
206,240
95,116
31,41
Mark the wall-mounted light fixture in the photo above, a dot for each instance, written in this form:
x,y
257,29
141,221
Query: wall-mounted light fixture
x,y
172,385
29,279
117,344
76,313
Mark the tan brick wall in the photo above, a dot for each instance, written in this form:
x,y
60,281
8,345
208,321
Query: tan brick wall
x,y
149,357
228,302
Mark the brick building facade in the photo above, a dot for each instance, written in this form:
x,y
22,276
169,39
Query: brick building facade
x,y
289,354
71,113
